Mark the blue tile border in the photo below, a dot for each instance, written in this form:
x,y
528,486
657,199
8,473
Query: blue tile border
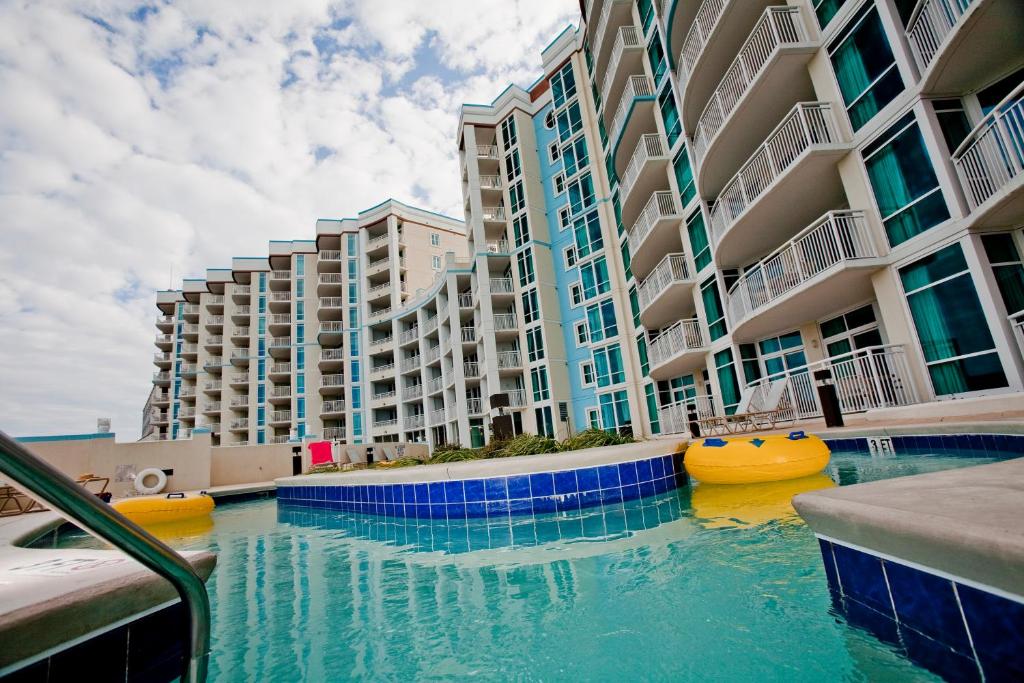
x,y
958,631
519,494
993,443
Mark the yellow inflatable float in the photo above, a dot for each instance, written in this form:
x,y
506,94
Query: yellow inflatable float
x,y
173,507
753,459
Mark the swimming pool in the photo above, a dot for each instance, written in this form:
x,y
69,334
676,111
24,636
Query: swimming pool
x,y
698,583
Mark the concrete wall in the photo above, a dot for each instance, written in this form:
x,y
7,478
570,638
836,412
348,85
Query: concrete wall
x,y
248,464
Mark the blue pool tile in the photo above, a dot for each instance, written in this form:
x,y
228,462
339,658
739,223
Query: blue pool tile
x,y
873,621
609,476
454,492
435,490
927,604
938,657
543,505
643,471
334,493
657,468
519,486
631,492
389,493
627,473
422,494
456,510
476,509
587,480
496,488
647,488
565,482
995,625
408,493
542,484
590,498
666,463
474,489
610,496
497,508
568,503
438,511
862,578
830,565
662,485
520,506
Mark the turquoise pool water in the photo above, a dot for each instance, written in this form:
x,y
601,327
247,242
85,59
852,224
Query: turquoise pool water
x,y
697,584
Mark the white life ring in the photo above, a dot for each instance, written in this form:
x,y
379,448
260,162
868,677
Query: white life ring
x,y
160,485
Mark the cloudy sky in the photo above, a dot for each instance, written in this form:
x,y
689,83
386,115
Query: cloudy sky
x,y
138,141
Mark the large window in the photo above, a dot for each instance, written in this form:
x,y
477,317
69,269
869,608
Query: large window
x,y
656,54
531,309
563,86
684,177
713,311
856,329
826,9
516,197
782,353
570,121
608,366
728,384
587,231
520,230
534,344
903,181
652,409
512,165
601,321
575,156
539,378
864,66
1004,257
508,132
524,262
614,410
669,115
581,193
951,326
698,235
594,278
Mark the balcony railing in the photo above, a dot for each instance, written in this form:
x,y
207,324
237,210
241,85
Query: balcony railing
x,y
929,25
437,417
471,369
377,241
329,255
239,402
214,340
381,341
516,398
697,37
776,27
215,300
636,86
412,363
212,385
414,421
336,406
213,407
487,151
1017,324
188,369
284,391
238,425
387,422
242,290
242,310
239,378
836,237
413,391
164,339
490,182
409,335
332,354
213,361
684,335
626,37
674,418
331,327
161,377
432,354
382,287
330,278
808,124
187,413
386,367
334,433
279,342
474,406
650,146
993,154
384,395
190,309
435,384
240,332
280,275
468,334
380,312
660,205
671,270
190,349
501,285
505,321
602,25
281,416
187,393
335,380
280,319
430,324
281,369
494,214
509,359
164,357
465,300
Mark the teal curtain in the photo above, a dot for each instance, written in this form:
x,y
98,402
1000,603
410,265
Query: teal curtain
x,y
1007,267
727,382
684,177
669,115
698,241
865,68
652,409
713,309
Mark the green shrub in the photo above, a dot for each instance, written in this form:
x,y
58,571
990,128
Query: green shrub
x,y
594,438
446,447
324,468
454,456
526,444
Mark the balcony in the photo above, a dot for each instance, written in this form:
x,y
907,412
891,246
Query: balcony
x,y
331,358
190,312
213,363
505,322
188,369
240,425
188,413
468,335
334,433
381,265
715,38
280,393
241,293
240,357
162,399
465,300
655,233
432,355
490,182
214,342
163,360
501,285
487,152
437,417
626,58
190,332
279,347
378,314
386,425
211,408
990,164
280,371
768,76
613,13
383,398
157,417
373,244
190,351
474,406
164,341
280,417
493,214
331,308
241,315
240,335
383,369
790,179
279,323
667,293
959,45
381,342
516,398
633,117
413,422
165,323
471,369
280,280
333,408
211,386
214,301
409,336
328,283
411,364
187,394
239,402
510,360
435,385
378,293
327,257
429,325
331,333
825,268
279,301
161,379
678,350
238,379
644,174
412,391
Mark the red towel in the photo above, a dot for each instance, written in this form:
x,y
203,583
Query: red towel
x,y
320,452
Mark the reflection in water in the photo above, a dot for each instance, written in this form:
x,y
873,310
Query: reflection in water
x,y
742,505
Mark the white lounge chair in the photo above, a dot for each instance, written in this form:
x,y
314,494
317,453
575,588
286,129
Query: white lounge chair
x,y
390,452
357,456
765,416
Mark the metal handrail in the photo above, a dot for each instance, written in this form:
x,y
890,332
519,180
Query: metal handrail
x,y
44,482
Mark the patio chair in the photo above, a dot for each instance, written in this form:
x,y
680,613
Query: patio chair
x,y
357,456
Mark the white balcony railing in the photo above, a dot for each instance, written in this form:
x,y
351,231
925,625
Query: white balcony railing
x,y
213,407
413,391
214,340
412,363
409,335
329,255
777,26
661,205
215,300
993,154
336,406
384,395
474,406
387,422
386,367
330,278
516,398
671,270
376,289
332,302
509,359
650,146
636,86
380,312
836,237
239,402
211,386
501,285
435,384
332,354
487,151
414,421
468,334
627,37
281,416
471,369
281,369
490,182
332,327
335,380
505,321
808,124
381,341
432,354
161,377
377,241
242,290
240,332
680,337
437,417
213,361
697,37
602,25
1017,323
334,433
465,300
280,319
279,342
282,391
239,378
498,247
930,23
494,214
280,275
238,425
215,320
674,418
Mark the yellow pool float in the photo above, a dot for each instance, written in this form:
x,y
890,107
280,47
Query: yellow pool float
x,y
745,505
752,459
172,507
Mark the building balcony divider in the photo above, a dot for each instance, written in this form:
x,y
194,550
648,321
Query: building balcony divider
x,y
807,125
777,27
682,337
650,147
836,237
637,86
673,269
626,38
992,156
509,360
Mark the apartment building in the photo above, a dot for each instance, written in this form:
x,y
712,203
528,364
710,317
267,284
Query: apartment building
x,y
697,208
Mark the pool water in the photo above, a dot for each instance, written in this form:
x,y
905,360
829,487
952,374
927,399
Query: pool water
x,y
702,583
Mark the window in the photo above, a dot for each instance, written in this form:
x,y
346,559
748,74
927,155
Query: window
x,y
782,353
261,416
549,119
559,182
698,234
564,217
353,271
300,310
357,426
575,294
864,66
300,383
554,154
570,122
614,410
647,12
300,289
587,376
517,197
581,332
539,379
601,323
435,239
1004,257
826,9
593,418
263,282
435,262
627,260
300,265
953,121
727,381
524,263
684,177
520,230
569,254
300,358
261,305
545,423
351,243
355,371
575,157
903,182
608,366
531,309
300,334
534,344
594,278
669,115
656,54
713,311
634,305
641,350
353,317
587,231
357,397
951,326
512,167
508,132
563,86
353,293
353,343
652,409
857,329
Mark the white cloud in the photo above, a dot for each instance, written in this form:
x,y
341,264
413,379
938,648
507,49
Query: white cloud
x,y
134,143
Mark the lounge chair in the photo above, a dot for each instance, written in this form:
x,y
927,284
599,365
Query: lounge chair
x,y
357,456
390,452
766,417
